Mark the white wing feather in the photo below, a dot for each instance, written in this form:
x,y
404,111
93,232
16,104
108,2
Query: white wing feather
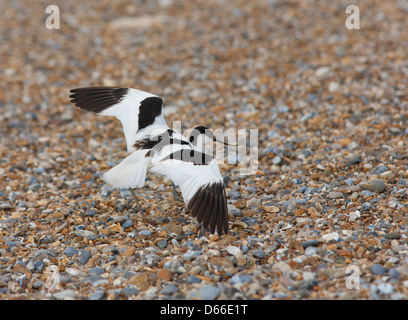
x,y
186,175
127,111
130,173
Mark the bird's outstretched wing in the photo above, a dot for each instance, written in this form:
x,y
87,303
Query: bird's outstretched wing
x,y
200,182
136,109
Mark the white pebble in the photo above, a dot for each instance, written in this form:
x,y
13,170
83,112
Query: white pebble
x,y
333,86
214,252
282,251
74,272
385,288
232,250
308,276
333,236
354,215
322,72
254,202
310,251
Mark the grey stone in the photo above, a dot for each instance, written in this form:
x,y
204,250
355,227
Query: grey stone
x,y
234,195
374,185
169,289
97,295
83,256
65,294
145,232
310,251
310,243
70,251
127,224
385,288
37,284
192,254
258,254
129,291
244,248
162,244
393,273
5,206
85,233
393,235
44,254
380,169
377,269
97,271
193,279
240,278
206,293
335,195
109,249
34,187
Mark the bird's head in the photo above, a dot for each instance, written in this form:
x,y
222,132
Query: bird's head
x,y
202,135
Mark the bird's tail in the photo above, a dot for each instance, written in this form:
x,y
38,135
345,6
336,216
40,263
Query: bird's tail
x,y
130,173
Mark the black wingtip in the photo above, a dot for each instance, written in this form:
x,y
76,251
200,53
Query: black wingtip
x,y
209,206
97,99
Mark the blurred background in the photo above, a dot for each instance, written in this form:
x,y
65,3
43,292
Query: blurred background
x,y
222,63
330,104
315,90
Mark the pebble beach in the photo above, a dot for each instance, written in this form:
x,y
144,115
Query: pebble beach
x,y
323,215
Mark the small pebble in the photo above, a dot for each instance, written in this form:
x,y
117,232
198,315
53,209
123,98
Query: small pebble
x,y
385,288
378,269
309,243
83,256
169,289
374,185
193,279
145,232
333,236
393,235
335,195
97,295
70,251
165,274
128,224
162,244
206,293
96,271
240,278
258,254
254,202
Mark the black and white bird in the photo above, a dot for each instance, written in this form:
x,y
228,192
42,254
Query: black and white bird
x,y
154,147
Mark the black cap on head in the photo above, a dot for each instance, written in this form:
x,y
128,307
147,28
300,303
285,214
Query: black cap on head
x,y
200,130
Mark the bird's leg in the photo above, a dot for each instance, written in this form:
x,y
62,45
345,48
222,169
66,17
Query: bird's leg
x,y
175,196
145,220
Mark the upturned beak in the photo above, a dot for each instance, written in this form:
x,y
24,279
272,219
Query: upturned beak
x,y
225,143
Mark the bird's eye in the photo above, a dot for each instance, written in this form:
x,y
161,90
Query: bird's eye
x,y
192,153
159,138
191,138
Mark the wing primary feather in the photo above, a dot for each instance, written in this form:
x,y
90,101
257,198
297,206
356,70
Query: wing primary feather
x,y
96,105
97,99
208,210
222,223
85,98
195,204
214,212
202,202
220,215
